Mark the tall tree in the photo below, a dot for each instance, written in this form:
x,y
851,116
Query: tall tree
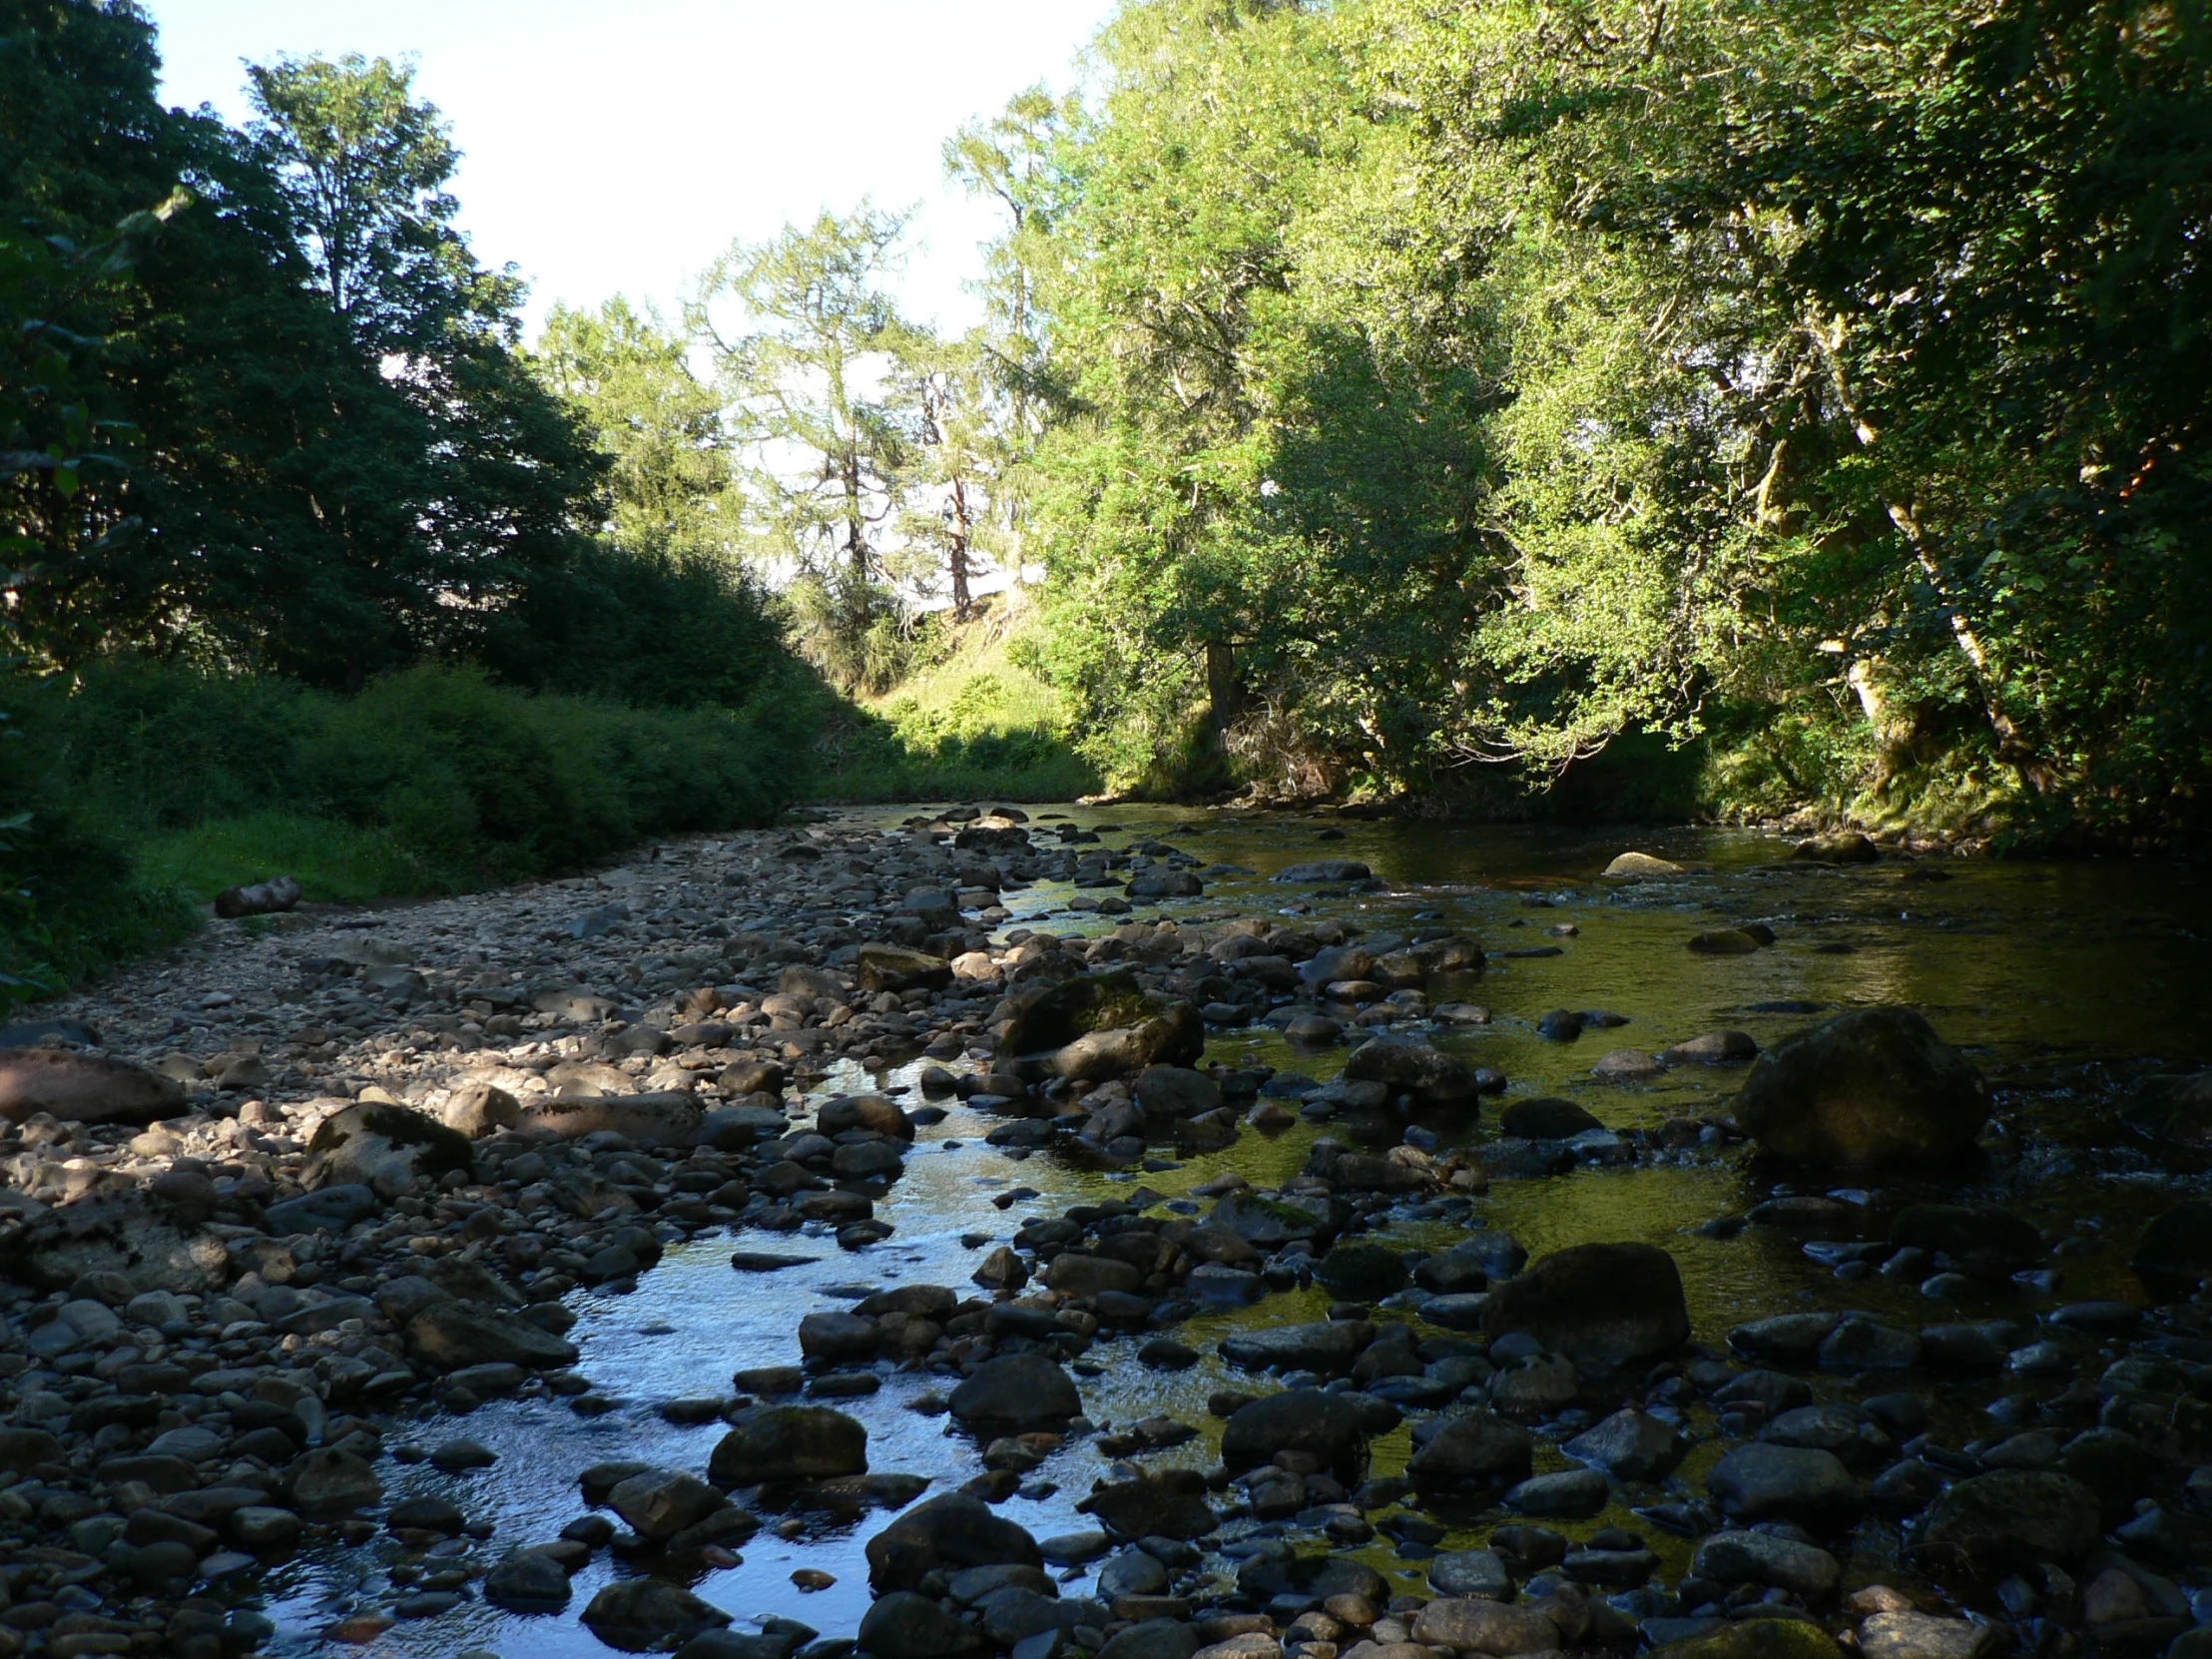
x,y
365,167
806,370
961,460
630,374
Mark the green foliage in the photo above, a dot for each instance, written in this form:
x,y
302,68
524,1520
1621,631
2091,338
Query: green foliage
x,y
70,904
1441,384
362,167
824,434
469,781
335,862
626,370
320,456
972,719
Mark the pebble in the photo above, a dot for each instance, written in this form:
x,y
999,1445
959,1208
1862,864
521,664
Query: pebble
x,y
424,1277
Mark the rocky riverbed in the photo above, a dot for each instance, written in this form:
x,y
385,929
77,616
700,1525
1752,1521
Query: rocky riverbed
x,y
1256,1237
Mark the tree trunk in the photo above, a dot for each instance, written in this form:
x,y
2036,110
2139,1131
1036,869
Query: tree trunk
x,y
1891,736
956,553
2013,747
1220,686
856,544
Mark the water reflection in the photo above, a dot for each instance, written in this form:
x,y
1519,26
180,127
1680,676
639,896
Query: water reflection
x,y
2064,980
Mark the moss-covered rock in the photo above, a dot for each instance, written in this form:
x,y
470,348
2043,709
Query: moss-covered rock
x,y
1758,1639
1601,1302
1874,1086
1076,1007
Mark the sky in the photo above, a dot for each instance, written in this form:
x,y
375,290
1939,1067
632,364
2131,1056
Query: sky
x,y
620,147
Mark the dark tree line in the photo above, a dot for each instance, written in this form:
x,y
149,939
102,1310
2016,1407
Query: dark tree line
x,y
266,409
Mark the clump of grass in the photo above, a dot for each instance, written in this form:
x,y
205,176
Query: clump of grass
x,y
978,722
132,789
335,862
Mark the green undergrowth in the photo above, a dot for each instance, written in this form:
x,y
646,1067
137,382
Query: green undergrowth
x,y
335,862
137,789
978,721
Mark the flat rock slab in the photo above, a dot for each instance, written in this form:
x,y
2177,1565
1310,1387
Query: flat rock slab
x,y
83,1088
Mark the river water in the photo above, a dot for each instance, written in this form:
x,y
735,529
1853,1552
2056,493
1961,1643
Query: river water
x,y
2066,982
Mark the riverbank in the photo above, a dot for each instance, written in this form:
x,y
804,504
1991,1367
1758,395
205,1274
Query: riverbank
x,y
435,1344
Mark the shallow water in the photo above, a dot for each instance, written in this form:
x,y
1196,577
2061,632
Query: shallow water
x,y
2066,982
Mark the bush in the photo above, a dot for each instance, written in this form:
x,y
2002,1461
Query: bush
x,y
70,904
642,627
430,779
976,723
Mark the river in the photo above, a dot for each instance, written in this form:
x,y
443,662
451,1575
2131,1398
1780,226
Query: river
x,y
2066,982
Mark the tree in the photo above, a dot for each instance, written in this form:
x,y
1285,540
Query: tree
x,y
960,458
364,166
817,410
284,502
500,467
629,373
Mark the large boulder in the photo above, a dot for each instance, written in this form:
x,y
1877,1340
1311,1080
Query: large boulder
x,y
1601,1304
1411,1065
1473,1263
131,1233
1761,1481
945,1534
1174,1037
1362,1271
1758,1558
893,968
1545,1118
876,1113
528,1581
2173,1108
644,1615
83,1088
659,1503
1176,1092
452,1334
904,1625
661,1117
1875,1086
326,1209
1476,1448
480,1109
2176,1245
1165,883
1326,1346
330,1480
1797,1638
1470,1624
1161,1638
383,1147
1637,866
788,1443
1844,846
1324,870
1076,1007
1171,1505
1630,1444
1016,1390
1074,1274
2011,1520
1328,1427
1271,1219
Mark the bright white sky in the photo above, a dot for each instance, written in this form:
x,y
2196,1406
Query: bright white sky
x,y
620,147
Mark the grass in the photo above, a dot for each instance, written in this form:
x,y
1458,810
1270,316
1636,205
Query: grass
x,y
979,722
335,862
131,789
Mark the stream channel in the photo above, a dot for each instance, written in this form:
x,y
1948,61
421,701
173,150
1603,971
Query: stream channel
x,y
2066,982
